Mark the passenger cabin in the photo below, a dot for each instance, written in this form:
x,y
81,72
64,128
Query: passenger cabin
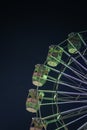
x,y
74,43
32,102
40,75
54,56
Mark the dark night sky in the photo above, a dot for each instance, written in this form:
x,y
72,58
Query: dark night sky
x,y
26,31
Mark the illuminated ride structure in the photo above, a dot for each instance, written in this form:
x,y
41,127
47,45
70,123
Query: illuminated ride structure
x,y
59,98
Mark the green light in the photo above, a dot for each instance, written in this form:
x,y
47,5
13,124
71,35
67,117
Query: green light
x,y
53,54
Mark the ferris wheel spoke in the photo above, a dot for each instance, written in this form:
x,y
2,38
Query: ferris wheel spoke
x,y
47,98
81,32
71,93
67,75
67,124
79,63
49,91
82,57
51,121
78,88
71,77
78,68
83,126
74,114
74,110
74,78
66,102
72,69
82,39
51,116
73,59
69,98
66,96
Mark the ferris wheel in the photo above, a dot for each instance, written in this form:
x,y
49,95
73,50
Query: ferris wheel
x,y
58,100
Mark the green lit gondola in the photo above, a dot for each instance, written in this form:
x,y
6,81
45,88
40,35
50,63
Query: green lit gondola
x,y
54,56
40,75
74,43
32,102
32,105
37,124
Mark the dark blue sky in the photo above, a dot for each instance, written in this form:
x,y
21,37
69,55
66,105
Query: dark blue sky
x,y
26,31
